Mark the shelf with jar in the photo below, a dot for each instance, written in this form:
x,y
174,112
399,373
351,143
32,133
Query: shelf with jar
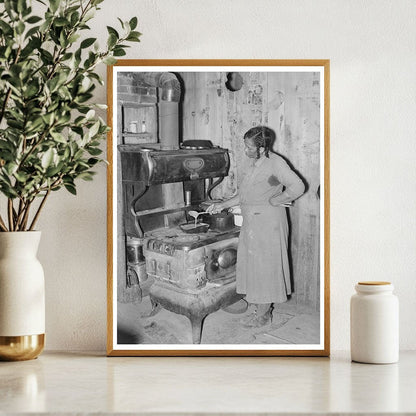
x,y
139,123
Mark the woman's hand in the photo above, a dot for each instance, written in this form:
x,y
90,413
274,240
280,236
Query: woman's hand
x,y
215,208
281,200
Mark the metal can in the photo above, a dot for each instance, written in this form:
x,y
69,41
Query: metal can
x,y
188,198
134,251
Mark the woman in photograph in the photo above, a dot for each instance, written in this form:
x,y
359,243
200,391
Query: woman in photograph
x,y
268,185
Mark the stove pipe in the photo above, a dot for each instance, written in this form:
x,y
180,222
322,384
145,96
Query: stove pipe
x,y
169,95
168,105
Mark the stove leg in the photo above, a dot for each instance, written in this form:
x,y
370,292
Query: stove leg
x,y
156,307
197,322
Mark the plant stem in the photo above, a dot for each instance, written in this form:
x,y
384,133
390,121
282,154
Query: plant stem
x,y
2,224
10,213
23,223
39,209
26,216
36,144
21,212
14,217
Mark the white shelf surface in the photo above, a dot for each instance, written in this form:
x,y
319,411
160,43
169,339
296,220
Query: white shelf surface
x,y
86,383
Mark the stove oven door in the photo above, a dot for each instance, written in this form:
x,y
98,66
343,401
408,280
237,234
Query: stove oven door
x,y
221,260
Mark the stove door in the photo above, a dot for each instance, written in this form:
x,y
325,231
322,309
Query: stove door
x,y
221,260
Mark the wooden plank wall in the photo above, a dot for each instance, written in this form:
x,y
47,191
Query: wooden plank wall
x,y
289,104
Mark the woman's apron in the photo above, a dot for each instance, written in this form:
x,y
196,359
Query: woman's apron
x,y
263,272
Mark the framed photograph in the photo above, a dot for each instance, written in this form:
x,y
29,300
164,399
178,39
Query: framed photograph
x,y
218,208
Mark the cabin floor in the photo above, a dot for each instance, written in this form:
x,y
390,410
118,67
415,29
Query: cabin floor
x,y
291,324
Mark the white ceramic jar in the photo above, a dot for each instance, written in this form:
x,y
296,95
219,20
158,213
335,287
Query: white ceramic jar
x,y
374,323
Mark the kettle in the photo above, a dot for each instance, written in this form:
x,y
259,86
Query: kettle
x,y
221,221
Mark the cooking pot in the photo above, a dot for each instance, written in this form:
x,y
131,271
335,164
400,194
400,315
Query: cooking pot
x,y
221,221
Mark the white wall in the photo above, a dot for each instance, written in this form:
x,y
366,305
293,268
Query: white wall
x,y
371,45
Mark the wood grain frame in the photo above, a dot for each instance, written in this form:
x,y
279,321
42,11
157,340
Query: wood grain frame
x,y
325,351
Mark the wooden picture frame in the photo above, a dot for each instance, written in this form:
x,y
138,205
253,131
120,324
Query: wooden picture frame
x,y
291,96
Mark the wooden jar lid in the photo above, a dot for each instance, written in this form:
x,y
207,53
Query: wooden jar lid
x,y
374,283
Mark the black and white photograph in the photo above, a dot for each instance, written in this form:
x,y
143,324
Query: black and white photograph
x,y
219,205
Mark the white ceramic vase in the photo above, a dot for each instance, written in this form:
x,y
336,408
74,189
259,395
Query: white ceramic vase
x,y
22,296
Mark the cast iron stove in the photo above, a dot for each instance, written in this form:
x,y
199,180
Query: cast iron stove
x,y
194,273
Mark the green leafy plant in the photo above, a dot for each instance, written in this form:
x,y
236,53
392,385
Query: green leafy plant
x,y
50,134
